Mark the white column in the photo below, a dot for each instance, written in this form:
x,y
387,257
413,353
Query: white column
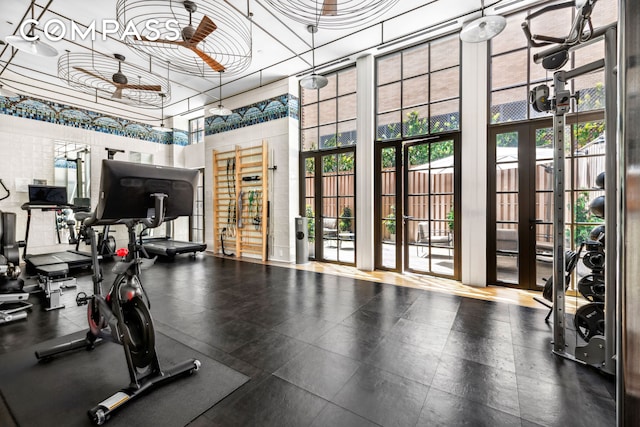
x,y
474,164
364,159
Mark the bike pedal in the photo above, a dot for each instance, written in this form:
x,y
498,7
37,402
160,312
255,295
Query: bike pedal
x,y
82,298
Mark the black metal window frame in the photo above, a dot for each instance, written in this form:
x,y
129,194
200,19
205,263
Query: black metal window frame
x,y
429,71
196,130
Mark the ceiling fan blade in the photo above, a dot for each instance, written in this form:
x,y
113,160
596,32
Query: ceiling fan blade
x,y
97,76
206,58
144,39
330,8
155,88
118,92
206,27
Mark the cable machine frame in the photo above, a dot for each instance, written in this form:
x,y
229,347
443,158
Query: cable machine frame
x,y
601,350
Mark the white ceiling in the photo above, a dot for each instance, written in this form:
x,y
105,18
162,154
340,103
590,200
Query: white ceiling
x,y
281,47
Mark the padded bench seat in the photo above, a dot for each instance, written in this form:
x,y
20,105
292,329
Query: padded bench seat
x,y
53,270
52,279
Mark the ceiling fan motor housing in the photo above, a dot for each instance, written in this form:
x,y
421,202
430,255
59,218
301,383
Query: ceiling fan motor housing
x,y
120,78
188,32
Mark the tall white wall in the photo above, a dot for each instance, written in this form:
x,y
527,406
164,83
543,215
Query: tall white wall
x,y
365,124
27,148
282,140
474,164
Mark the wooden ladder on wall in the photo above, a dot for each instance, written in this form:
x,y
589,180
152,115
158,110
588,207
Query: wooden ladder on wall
x,y
240,201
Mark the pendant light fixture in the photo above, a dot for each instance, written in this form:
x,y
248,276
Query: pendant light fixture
x,y
34,47
313,80
7,93
161,128
220,110
483,28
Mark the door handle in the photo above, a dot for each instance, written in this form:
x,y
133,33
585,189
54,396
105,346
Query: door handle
x,y
534,222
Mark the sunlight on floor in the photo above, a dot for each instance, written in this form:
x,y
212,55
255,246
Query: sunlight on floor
x,y
490,293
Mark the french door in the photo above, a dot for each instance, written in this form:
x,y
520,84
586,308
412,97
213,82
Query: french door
x,y
329,198
418,199
519,236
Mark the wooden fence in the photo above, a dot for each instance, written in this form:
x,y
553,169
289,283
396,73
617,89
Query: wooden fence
x,y
431,195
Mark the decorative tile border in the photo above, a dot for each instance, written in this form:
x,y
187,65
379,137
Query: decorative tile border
x,y
65,164
275,108
52,112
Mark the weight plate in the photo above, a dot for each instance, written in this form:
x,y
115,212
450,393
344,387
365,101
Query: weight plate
x,y
589,321
597,234
594,260
547,292
592,287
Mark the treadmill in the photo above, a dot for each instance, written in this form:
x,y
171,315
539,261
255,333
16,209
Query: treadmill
x,y
50,198
167,247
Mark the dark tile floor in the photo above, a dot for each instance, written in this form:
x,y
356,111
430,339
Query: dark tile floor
x,y
325,350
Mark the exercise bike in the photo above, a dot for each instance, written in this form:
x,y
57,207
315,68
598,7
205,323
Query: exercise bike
x,y
151,194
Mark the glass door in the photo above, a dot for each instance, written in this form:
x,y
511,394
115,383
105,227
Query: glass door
x,y
388,253
330,206
416,225
429,192
519,242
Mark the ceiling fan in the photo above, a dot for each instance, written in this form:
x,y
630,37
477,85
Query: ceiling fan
x,y
119,80
191,37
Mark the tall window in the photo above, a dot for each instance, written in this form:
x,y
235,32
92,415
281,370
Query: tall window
x,y
328,116
328,164
417,162
514,74
196,130
521,202
418,90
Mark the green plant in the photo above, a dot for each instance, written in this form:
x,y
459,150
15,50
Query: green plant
x,y
390,221
582,215
388,158
343,162
345,219
450,219
414,125
311,224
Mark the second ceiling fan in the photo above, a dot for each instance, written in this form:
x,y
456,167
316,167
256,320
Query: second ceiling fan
x,y
119,80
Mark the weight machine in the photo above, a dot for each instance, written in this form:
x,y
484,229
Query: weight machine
x,y
13,298
601,349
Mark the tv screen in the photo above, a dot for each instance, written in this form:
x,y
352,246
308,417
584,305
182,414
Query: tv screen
x,y
47,195
126,189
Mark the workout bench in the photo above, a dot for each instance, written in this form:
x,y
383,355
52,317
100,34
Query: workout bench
x,y
52,279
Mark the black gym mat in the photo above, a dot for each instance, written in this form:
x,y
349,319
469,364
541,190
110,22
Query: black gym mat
x,y
60,392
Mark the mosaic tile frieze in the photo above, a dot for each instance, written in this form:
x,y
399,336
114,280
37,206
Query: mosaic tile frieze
x,y
65,115
275,108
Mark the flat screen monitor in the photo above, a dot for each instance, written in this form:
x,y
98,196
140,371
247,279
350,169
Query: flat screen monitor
x,y
126,189
47,195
